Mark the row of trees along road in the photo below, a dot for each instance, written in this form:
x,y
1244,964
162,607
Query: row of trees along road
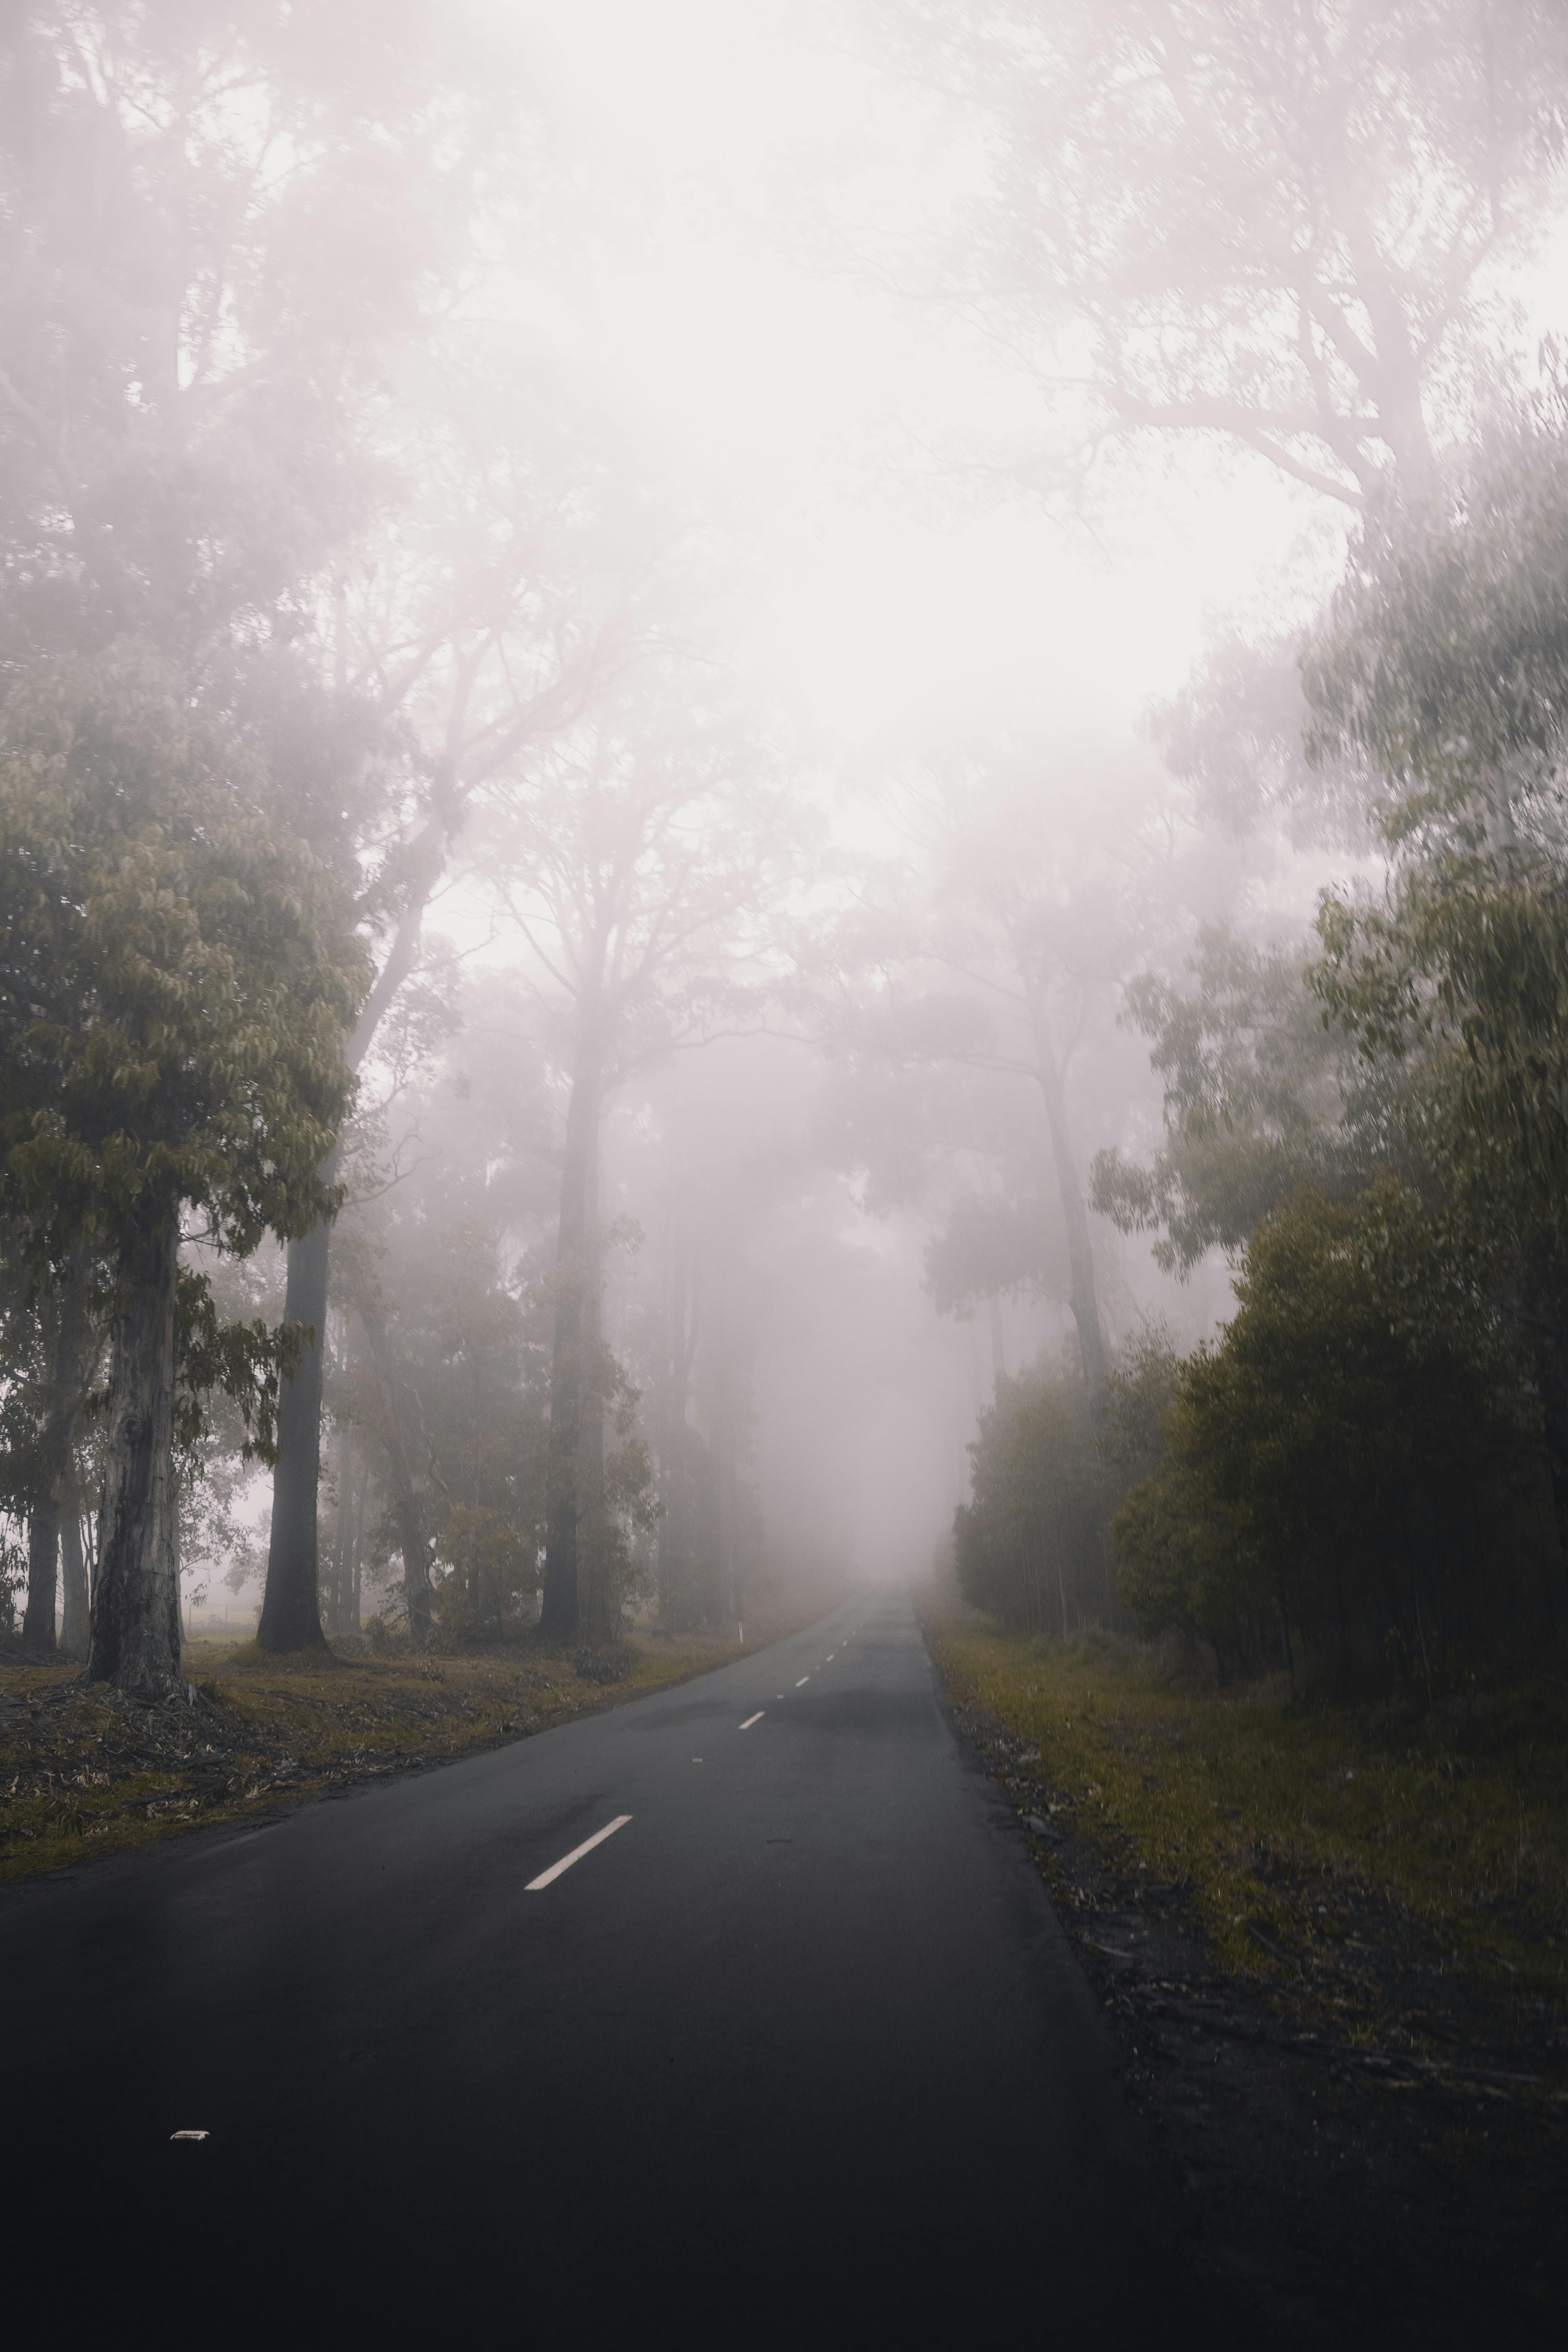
x,y
180,456
232,240
1306,265
326,590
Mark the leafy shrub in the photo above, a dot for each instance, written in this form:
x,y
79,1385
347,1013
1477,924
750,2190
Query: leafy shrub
x,y
1356,1463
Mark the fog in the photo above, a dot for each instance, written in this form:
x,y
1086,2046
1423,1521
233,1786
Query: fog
x,y
784,1151
732,535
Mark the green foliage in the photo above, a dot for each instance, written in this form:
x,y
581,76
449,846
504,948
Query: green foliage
x,y
1028,1546
1260,1097
1351,1461
1444,660
1139,1389
455,1401
175,981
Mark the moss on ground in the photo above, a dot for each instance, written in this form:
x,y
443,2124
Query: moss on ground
x,y
84,1771
1335,1851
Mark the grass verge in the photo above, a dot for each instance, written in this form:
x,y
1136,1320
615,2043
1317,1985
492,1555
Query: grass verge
x,y
84,1771
1398,1876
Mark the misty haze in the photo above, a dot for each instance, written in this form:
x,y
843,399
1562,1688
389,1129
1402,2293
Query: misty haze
x,y
784,1169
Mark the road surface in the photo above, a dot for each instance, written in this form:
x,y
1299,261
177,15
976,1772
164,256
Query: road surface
x,y
796,2052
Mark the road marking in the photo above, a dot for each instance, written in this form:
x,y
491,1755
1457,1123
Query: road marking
x,y
190,2135
831,1655
548,1877
805,1678
753,1718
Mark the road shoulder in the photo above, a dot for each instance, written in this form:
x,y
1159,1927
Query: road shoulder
x,y
1342,2194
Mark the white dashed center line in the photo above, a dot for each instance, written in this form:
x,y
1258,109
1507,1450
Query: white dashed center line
x,y
548,1877
805,1678
753,1718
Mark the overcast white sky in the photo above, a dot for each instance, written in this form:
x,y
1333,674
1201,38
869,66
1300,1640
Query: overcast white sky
x,y
742,132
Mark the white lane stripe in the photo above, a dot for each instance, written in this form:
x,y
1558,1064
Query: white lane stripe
x,y
548,1877
753,1718
805,1678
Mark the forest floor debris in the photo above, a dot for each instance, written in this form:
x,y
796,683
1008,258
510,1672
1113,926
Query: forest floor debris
x,y
1333,1944
85,1772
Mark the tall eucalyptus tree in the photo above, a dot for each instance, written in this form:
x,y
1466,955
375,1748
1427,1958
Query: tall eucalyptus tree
x,y
643,861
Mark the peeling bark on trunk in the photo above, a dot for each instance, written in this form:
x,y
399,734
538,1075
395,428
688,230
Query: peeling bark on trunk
x,y
569,1365
76,1630
290,1609
135,1640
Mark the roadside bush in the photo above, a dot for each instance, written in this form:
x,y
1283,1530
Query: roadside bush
x,y
1356,1465
1029,1547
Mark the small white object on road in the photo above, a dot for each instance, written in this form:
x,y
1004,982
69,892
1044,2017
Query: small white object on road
x,y
753,1718
805,1678
190,2135
548,1877
831,1655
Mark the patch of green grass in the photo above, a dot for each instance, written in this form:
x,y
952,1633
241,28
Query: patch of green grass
x,y
1310,1824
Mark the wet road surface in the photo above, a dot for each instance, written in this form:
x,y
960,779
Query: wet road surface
x,y
736,2015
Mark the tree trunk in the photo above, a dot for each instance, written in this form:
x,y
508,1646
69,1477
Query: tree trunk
x,y
599,1613
726,1447
683,1291
292,1620
135,1640
76,1630
407,1515
177,1558
353,1556
43,1566
338,1600
70,1370
576,1274
1082,1296
290,1608
356,1552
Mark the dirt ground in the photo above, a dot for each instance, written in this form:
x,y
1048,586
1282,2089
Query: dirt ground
x,y
1352,2186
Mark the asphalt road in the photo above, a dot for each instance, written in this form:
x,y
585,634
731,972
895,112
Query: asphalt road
x,y
798,2053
